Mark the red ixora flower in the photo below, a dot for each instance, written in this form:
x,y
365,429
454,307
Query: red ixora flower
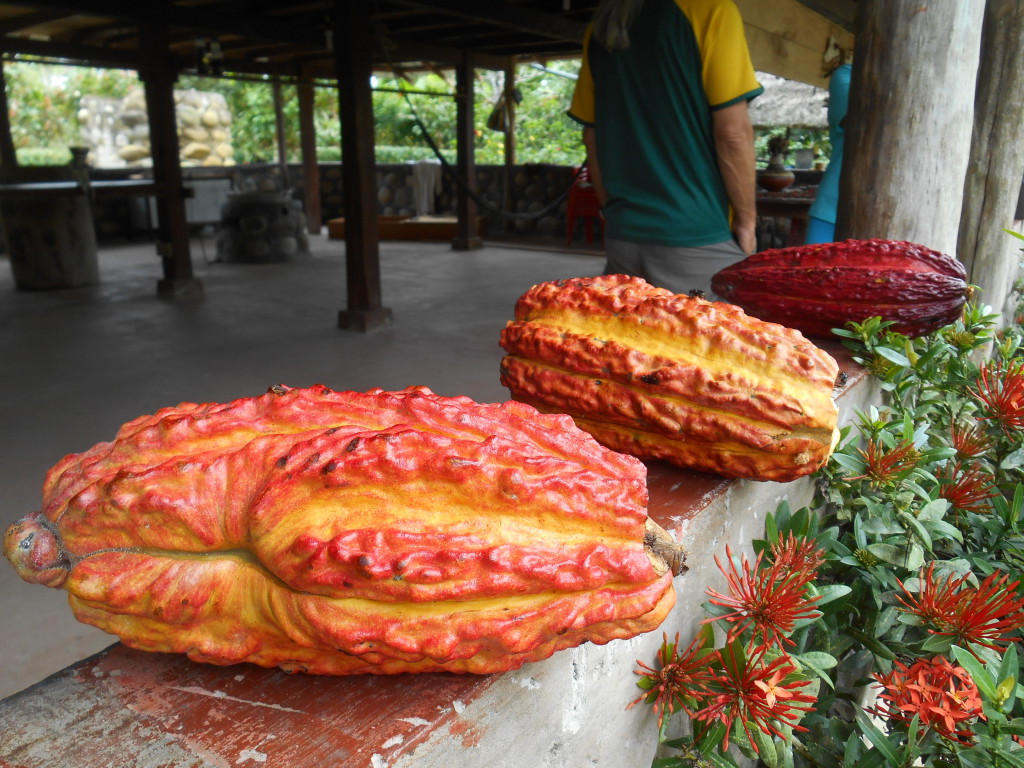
x,y
982,615
941,695
886,466
767,600
966,487
757,694
969,441
1000,391
681,680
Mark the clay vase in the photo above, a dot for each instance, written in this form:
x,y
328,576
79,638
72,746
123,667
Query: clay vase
x,y
776,176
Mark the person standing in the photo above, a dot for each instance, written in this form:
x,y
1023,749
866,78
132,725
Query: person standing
x,y
662,96
821,227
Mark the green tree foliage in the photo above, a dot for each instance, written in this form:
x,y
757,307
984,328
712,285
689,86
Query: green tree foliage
x,y
44,102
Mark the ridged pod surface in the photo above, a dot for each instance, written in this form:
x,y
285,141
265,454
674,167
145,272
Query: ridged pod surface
x,y
344,533
664,376
815,288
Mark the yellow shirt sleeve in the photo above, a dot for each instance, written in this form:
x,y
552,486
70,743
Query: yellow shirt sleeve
x,y
728,73
582,108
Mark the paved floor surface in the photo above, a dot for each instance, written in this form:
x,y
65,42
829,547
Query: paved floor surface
x,y
78,363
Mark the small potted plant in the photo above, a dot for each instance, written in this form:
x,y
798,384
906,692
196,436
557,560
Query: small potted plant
x,y
776,176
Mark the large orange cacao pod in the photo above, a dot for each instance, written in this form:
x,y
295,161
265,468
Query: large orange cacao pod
x,y
343,533
664,376
815,288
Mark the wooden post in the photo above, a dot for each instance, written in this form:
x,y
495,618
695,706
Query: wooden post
x,y
909,124
158,75
510,136
467,237
359,173
310,167
997,157
280,136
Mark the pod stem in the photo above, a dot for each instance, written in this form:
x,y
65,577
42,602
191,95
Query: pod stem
x,y
659,544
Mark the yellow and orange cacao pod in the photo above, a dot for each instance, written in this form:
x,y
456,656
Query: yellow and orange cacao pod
x,y
345,533
699,384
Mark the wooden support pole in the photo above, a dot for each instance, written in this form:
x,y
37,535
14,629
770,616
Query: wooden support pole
x,y
280,134
908,130
310,166
467,236
359,173
510,137
997,158
158,75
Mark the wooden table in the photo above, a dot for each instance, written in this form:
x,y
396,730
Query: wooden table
x,y
110,188
794,207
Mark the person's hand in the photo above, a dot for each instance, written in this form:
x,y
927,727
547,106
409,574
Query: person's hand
x,y
746,237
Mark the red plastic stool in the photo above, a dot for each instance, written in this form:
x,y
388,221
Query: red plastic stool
x,y
583,204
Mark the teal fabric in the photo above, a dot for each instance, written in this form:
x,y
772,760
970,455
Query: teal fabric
x,y
655,141
826,201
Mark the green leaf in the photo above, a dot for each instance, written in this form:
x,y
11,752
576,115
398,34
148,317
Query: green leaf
x,y
889,553
829,593
936,644
933,510
1009,669
915,557
817,659
711,738
877,738
766,750
721,761
771,531
916,528
980,676
893,356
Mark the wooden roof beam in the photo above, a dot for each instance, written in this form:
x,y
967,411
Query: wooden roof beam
x,y
83,54
840,12
507,15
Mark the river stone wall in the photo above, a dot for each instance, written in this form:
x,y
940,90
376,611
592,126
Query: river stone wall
x,y
116,131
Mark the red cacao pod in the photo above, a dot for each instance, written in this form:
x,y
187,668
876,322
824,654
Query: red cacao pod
x,y
663,376
815,288
344,533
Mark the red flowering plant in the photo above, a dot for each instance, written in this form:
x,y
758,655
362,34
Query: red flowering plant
x,y
882,626
922,510
751,692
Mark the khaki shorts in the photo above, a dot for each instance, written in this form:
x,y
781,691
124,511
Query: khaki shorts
x,y
681,270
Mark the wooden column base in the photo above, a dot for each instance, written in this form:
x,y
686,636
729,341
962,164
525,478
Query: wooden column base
x,y
467,243
364,319
180,289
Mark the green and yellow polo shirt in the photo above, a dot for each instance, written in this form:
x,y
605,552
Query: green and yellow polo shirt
x,y
651,105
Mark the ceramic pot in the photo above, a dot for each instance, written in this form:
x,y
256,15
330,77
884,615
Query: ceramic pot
x,y
776,176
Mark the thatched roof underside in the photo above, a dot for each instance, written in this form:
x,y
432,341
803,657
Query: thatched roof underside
x,y
789,103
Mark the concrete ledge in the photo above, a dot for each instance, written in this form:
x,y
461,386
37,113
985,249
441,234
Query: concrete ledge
x,y
125,707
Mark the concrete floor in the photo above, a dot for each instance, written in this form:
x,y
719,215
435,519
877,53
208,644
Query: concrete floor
x,y
78,363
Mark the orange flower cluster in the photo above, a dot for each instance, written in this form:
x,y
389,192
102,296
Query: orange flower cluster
x,y
967,488
732,685
1000,392
984,615
942,696
769,599
886,466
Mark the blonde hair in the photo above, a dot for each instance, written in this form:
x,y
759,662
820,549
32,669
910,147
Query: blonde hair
x,y
612,20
